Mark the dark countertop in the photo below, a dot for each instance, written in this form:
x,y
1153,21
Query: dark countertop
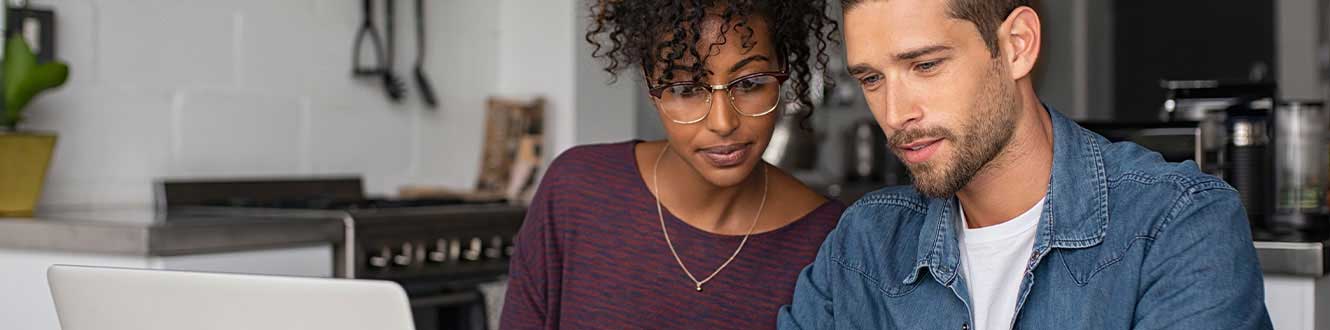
x,y
144,232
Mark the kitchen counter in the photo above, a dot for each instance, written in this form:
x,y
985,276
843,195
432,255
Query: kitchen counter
x,y
1296,259
144,232
1297,292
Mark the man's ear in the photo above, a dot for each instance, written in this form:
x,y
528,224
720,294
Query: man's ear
x,y
1019,38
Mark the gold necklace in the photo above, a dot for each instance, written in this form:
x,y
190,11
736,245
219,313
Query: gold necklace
x,y
661,214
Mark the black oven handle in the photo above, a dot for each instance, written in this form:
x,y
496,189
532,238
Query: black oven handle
x,y
447,299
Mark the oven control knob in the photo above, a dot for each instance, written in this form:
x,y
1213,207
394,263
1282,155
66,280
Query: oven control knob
x,y
440,252
381,260
474,249
495,248
455,250
420,253
404,258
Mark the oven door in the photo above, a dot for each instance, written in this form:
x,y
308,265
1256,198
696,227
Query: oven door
x,y
439,309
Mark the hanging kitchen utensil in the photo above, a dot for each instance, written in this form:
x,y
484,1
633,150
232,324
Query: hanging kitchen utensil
x,y
382,64
422,82
367,30
391,83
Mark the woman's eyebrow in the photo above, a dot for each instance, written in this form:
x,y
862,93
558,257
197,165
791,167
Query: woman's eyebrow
x,y
746,61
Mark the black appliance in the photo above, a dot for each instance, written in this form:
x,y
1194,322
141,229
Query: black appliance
x,y
1210,103
1228,40
440,250
1175,141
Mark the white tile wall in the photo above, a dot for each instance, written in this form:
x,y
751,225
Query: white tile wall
x,y
112,142
165,44
276,46
216,88
185,88
339,142
219,133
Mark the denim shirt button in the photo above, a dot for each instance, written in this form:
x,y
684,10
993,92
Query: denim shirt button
x,y
965,326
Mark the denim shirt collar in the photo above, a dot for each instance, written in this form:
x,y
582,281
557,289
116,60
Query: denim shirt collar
x,y
1075,215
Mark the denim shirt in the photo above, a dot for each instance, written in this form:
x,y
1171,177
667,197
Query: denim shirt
x,y
1125,241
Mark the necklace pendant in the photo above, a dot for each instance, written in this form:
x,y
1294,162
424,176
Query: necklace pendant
x,y
699,288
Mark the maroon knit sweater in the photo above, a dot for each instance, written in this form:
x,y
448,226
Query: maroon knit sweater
x,y
591,256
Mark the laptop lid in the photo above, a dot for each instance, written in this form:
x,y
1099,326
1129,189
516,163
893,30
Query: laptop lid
x,y
88,298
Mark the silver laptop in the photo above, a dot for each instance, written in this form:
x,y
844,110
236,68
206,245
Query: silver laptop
x,y
88,298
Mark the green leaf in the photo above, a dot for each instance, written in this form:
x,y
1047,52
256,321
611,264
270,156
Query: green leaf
x,y
23,78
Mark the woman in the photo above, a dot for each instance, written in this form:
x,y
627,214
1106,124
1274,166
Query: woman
x,y
695,232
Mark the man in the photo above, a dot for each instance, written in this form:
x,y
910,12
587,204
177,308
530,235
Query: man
x,y
1018,218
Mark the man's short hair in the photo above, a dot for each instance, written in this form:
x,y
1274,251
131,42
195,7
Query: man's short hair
x,y
987,15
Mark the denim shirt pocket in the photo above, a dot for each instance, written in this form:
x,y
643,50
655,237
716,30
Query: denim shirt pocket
x,y
891,285
1132,231
1084,264
899,286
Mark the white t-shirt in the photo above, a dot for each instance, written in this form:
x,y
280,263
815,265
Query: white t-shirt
x,y
994,259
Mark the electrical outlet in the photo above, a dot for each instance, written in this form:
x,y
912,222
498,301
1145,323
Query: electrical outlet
x,y
37,26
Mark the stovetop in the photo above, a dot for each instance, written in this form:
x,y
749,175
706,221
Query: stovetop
x,y
325,203
332,193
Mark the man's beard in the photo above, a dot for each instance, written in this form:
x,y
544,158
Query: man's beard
x,y
986,133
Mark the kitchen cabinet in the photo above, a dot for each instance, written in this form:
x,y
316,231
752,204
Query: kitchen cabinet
x,y
1231,40
1297,290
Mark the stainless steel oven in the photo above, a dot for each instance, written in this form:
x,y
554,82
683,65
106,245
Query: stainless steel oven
x,y
442,251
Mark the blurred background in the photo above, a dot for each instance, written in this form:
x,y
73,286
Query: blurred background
x,y
398,139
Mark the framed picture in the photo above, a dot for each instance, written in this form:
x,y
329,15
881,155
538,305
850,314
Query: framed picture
x,y
37,26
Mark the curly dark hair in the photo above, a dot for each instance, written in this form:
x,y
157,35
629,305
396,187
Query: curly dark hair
x,y
655,32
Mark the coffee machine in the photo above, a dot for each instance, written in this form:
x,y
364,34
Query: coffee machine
x,y
1208,103
1273,152
1235,124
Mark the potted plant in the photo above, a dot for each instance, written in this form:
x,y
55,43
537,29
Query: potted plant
x,y
24,156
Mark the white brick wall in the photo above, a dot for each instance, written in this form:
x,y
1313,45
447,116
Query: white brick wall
x,y
190,88
542,52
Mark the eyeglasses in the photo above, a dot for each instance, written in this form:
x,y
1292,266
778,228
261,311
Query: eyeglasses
x,y
753,95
